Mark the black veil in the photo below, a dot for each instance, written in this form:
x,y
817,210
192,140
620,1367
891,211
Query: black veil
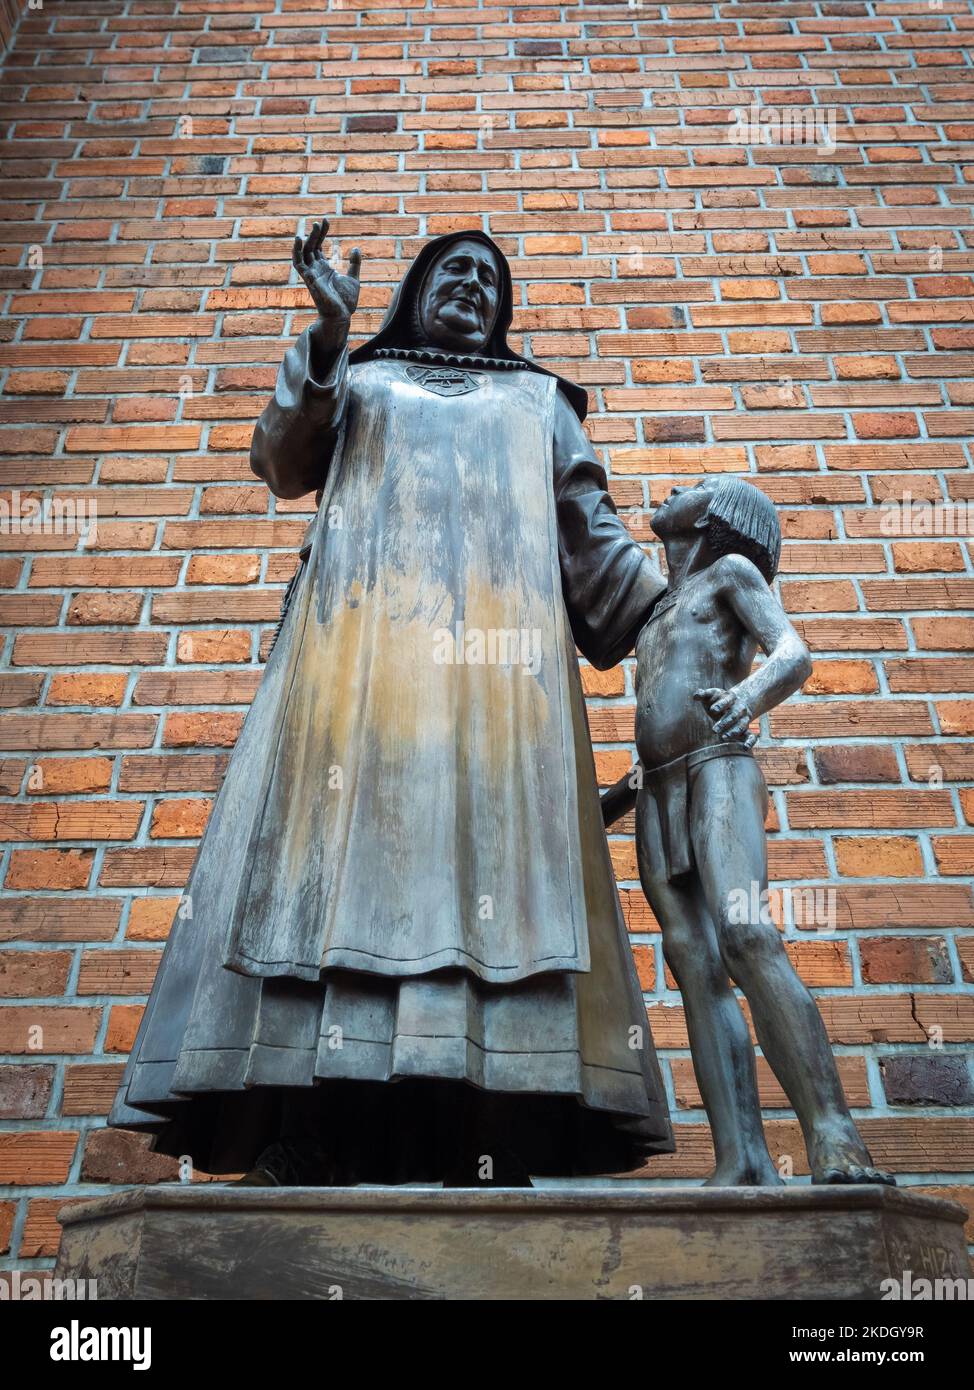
x,y
399,329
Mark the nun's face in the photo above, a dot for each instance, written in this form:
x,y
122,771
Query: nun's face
x,y
458,301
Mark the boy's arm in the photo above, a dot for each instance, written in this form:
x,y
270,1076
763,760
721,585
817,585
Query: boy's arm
x,y
787,665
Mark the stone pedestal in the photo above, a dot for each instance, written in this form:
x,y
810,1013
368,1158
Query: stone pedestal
x,y
224,1242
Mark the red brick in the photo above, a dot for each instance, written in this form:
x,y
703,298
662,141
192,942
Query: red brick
x,y
117,972
842,678
119,1156
8,1210
47,1028
55,868
205,730
36,1158
955,716
954,853
151,918
38,974
856,762
90,1088
42,1232
920,960
25,1091
880,807
879,856
86,690
54,776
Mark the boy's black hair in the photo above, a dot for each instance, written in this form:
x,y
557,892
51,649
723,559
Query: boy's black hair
x,y
741,520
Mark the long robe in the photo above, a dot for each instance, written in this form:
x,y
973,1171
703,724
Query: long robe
x,y
405,876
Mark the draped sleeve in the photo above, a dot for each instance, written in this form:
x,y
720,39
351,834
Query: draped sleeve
x,y
295,436
609,583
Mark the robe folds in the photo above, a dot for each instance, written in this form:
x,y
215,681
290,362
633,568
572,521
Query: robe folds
x,y
405,876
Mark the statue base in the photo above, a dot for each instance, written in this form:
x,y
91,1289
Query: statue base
x,y
222,1242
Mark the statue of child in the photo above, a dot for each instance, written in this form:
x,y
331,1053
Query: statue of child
x,y
700,837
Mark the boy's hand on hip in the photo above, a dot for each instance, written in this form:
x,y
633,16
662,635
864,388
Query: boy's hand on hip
x,y
730,713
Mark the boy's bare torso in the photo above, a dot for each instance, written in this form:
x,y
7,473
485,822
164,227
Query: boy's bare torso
x,y
694,642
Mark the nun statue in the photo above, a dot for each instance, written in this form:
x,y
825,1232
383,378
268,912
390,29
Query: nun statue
x,y
401,956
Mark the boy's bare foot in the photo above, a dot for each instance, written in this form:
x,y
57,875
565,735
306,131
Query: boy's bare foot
x,y
854,1173
743,1172
838,1155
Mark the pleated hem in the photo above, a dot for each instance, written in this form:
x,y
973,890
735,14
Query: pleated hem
x,y
448,1059
395,1132
355,1045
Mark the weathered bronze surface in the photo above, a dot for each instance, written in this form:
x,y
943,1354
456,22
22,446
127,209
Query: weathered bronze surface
x,y
208,1242
701,803
405,878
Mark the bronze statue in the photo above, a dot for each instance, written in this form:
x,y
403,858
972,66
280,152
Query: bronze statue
x,y
402,955
700,837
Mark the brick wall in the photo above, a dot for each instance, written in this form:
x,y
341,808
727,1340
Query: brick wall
x,y
795,311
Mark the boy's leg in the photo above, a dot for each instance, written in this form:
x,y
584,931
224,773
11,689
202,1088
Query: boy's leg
x,y
727,809
723,1058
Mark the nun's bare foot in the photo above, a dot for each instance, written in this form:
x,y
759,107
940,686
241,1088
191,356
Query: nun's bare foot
x,y
838,1155
290,1163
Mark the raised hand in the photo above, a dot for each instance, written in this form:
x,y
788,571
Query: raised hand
x,y
335,296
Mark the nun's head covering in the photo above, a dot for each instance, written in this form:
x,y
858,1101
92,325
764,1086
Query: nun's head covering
x,y
400,326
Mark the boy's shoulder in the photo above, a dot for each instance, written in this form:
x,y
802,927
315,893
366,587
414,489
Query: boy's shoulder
x,y
736,571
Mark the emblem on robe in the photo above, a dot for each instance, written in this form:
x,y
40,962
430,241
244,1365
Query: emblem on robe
x,y
445,381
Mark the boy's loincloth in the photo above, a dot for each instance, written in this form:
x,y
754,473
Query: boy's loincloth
x,y
671,787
